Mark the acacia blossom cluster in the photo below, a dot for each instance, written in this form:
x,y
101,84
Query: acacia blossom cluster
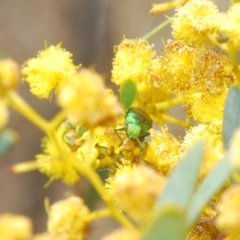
x,y
195,70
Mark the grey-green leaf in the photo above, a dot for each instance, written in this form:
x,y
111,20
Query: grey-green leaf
x,y
8,139
183,180
231,116
128,93
168,225
209,187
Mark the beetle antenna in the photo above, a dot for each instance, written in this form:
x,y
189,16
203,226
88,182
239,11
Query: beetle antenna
x,y
116,130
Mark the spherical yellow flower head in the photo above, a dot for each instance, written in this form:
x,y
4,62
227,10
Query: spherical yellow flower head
x,y
132,61
163,151
87,101
204,229
199,75
205,108
3,113
9,75
69,219
230,26
228,218
209,84
235,149
195,20
212,155
174,70
122,234
209,72
57,160
176,66
214,150
188,68
48,71
15,227
135,189
211,133
158,71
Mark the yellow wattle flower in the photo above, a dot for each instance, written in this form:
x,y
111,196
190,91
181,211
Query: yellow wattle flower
x,y
228,208
163,151
69,218
197,74
57,160
134,189
211,134
197,19
15,227
204,229
46,73
132,61
87,101
189,68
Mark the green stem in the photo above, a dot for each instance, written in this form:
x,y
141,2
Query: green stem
x,y
161,106
174,120
17,103
120,217
157,29
57,119
98,214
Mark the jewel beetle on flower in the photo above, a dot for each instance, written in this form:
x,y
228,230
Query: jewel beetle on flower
x,y
137,122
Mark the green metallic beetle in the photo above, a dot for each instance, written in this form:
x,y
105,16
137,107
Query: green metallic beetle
x,y
137,125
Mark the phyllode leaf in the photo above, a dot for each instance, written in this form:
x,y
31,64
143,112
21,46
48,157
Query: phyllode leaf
x,y
182,181
209,187
231,115
128,92
168,225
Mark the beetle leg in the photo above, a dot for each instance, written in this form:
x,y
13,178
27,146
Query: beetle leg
x,y
142,146
116,130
